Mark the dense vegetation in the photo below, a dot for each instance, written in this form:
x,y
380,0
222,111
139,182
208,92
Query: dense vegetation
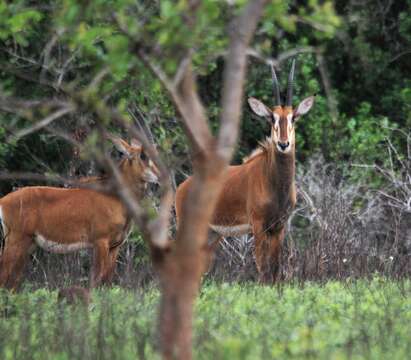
x,y
352,320
354,57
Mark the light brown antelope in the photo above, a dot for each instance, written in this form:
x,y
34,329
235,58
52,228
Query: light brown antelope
x,y
66,220
259,195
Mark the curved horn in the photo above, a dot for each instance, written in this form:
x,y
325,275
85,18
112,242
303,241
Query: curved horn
x,y
290,85
276,87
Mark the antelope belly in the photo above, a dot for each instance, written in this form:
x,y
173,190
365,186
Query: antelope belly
x,y
235,230
1,220
3,228
59,248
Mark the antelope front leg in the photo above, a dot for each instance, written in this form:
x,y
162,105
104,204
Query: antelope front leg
x,y
267,251
112,261
100,262
14,259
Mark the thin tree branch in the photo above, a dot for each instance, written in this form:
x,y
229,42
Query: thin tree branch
x,y
242,30
43,123
182,68
331,100
55,179
282,57
187,103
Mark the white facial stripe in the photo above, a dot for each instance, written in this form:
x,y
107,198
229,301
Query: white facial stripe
x,y
290,119
276,118
150,176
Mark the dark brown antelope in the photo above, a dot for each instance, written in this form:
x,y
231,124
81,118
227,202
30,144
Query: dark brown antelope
x,y
66,220
259,195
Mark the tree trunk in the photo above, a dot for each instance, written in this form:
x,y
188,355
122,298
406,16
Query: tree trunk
x,y
182,263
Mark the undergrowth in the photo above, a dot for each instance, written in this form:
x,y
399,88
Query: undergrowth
x,y
335,320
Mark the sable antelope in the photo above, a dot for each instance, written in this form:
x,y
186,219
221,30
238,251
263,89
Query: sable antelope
x,y
66,220
259,195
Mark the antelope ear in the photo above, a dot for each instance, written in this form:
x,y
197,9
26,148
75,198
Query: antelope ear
x,y
120,145
304,107
259,108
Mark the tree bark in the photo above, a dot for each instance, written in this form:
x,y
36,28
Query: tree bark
x,y
181,266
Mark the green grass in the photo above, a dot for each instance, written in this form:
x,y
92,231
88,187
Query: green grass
x,y
357,320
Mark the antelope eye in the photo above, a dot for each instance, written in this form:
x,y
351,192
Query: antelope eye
x,y
143,156
275,118
290,119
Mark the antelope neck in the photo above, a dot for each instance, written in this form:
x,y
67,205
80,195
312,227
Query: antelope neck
x,y
136,186
282,177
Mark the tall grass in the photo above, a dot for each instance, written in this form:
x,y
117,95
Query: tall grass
x,y
338,320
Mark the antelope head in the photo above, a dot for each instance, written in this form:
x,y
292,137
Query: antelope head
x,y
136,167
282,117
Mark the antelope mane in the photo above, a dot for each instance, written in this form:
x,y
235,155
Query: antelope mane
x,y
265,147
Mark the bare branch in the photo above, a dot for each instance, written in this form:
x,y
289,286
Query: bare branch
x,y
43,123
158,226
314,24
192,112
322,224
99,78
46,54
141,122
397,56
155,231
104,112
18,106
63,70
331,100
182,68
29,77
282,57
158,72
187,103
126,195
55,179
285,55
234,75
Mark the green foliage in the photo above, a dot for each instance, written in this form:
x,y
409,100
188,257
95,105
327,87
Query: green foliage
x,y
17,21
370,319
364,52
366,132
